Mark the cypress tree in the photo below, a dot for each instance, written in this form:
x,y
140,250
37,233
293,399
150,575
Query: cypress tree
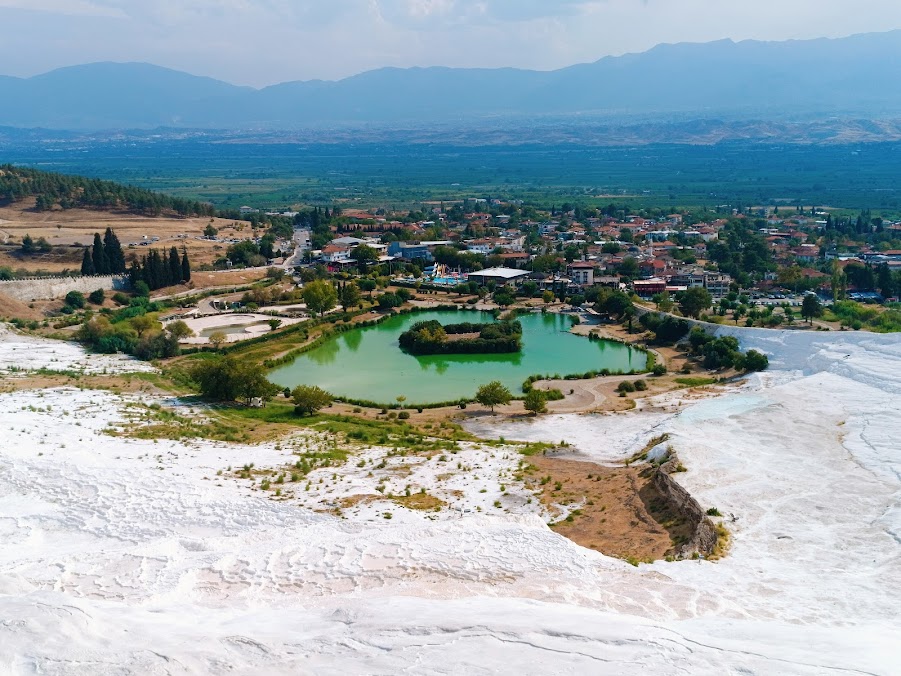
x,y
113,250
98,255
135,273
87,263
185,267
174,267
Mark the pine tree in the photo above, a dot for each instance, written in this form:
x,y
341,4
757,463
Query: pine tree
x,y
87,263
185,267
101,264
113,250
174,267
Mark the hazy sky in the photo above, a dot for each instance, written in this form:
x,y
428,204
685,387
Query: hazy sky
x,y
260,42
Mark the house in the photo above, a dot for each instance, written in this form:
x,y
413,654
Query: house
x,y
581,273
499,276
335,254
646,288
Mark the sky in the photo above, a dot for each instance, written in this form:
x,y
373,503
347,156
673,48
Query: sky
x,y
262,42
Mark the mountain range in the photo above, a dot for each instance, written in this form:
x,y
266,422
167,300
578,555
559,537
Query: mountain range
x,y
811,79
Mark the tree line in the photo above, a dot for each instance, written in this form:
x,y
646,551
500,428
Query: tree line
x,y
68,192
159,270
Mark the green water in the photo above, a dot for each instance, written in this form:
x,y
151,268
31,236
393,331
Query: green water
x,y
367,364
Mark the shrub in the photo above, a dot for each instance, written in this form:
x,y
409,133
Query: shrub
x,y
403,415
624,387
640,385
75,299
97,297
659,370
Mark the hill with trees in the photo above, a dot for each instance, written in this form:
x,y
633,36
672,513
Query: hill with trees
x,y
52,190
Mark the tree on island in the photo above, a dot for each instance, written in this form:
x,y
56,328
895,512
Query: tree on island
x,y
493,394
320,296
308,399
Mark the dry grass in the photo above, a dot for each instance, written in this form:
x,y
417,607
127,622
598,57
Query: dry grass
x,y
68,231
618,511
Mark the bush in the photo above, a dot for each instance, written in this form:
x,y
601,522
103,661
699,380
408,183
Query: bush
x,y
75,299
624,387
403,415
659,370
120,298
640,385
97,297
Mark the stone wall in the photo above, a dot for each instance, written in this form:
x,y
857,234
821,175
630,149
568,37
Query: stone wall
x,y
704,538
51,288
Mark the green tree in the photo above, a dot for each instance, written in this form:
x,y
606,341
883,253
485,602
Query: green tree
x,y
28,246
308,399
811,308
112,248
694,301
547,297
210,231
217,339
493,394
98,255
368,285
349,295
755,361
230,379
536,402
185,266
179,330
320,296
75,299
364,255
87,263
388,301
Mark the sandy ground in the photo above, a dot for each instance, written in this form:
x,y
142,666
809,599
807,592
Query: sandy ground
x,y
132,557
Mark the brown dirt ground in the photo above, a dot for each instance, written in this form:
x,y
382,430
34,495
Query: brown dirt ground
x,y
10,307
623,513
68,231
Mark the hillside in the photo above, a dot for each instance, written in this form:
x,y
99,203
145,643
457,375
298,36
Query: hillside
x,y
767,80
52,190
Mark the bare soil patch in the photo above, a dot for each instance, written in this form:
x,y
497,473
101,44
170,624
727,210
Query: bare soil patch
x,y
613,510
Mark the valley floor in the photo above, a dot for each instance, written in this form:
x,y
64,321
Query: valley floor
x,y
129,556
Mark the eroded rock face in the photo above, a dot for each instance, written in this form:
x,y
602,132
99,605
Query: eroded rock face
x,y
705,537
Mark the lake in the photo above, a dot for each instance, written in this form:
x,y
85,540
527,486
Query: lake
x,y
367,364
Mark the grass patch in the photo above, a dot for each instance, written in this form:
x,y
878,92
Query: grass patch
x,y
696,382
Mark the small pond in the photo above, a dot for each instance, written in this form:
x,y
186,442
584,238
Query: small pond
x,y
367,364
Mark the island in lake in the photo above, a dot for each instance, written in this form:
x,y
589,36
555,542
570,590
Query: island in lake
x,y
433,337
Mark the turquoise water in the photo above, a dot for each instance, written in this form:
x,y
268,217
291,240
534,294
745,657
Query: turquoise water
x,y
367,364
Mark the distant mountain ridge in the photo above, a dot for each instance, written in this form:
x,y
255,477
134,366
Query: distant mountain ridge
x,y
761,80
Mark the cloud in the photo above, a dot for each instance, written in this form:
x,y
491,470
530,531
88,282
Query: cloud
x,y
64,7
